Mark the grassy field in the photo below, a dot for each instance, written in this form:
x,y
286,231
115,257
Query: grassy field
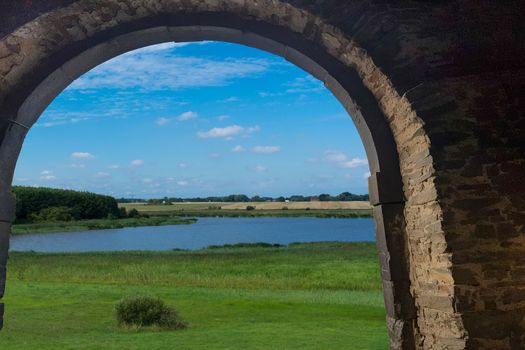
x,y
98,224
262,209
305,296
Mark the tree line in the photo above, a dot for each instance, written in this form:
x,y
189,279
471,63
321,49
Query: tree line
x,y
324,197
49,204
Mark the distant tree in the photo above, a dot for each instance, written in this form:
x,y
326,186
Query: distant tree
x,y
250,207
325,197
298,198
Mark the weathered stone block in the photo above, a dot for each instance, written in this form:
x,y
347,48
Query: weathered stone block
x,y
7,206
384,189
401,333
391,246
399,302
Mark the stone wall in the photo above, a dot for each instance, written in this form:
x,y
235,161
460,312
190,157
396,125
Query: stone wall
x,y
447,80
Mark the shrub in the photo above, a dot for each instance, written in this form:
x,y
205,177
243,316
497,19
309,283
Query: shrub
x,y
250,207
133,213
285,208
143,311
53,214
122,212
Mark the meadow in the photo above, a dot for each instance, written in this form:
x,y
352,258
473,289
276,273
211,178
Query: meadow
x,y
302,296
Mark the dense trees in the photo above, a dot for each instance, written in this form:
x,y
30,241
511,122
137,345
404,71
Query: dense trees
x,y
345,196
40,203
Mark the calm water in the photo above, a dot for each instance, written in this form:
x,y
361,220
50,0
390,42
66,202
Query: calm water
x,y
207,231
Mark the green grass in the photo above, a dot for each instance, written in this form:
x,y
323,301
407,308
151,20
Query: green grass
x,y
98,224
305,296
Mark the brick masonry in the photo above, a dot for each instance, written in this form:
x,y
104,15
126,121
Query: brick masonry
x,y
436,90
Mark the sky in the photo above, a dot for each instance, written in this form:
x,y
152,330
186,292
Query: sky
x,y
195,119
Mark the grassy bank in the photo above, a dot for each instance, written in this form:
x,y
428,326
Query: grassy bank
x,y
239,210
98,224
305,296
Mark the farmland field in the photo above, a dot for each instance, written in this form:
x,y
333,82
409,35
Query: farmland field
x,y
258,209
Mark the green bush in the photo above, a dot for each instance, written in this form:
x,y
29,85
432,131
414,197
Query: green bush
x,y
250,207
133,213
53,214
144,311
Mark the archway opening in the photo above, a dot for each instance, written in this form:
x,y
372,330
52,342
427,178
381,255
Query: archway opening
x,y
384,189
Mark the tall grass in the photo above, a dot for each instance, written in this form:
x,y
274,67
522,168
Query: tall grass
x,y
349,266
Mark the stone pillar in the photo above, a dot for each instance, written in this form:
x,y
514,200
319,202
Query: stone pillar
x,y
7,215
10,144
388,208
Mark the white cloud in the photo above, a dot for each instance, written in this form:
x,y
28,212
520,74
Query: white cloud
x,y
223,117
229,131
156,68
305,85
102,175
53,117
229,99
182,183
47,175
367,175
238,149
215,155
114,166
342,159
266,149
270,94
187,116
147,180
354,163
162,121
137,162
183,165
78,166
259,168
82,155
336,156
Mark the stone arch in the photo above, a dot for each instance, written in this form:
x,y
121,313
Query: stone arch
x,y
41,57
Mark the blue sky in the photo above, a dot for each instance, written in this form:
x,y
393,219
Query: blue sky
x,y
195,119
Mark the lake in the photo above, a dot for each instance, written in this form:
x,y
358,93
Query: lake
x,y
206,232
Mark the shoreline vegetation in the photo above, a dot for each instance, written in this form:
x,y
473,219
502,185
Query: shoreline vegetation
x,y
301,296
155,216
97,224
49,210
